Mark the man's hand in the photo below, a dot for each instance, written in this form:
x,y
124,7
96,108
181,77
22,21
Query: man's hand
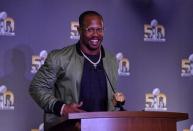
x,y
70,108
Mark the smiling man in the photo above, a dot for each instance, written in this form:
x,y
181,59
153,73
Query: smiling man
x,y
91,32
76,78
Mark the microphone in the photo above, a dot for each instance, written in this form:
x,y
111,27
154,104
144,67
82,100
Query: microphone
x,y
118,98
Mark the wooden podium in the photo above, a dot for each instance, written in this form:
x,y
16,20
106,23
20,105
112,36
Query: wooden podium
x,y
128,121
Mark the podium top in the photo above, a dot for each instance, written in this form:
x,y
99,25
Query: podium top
x,y
178,116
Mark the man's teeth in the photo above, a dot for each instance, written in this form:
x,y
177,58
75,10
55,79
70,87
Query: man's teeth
x,y
94,40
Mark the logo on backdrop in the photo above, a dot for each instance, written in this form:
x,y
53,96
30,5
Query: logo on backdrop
x,y
74,31
41,128
6,99
7,25
123,69
154,32
155,101
38,61
191,128
187,66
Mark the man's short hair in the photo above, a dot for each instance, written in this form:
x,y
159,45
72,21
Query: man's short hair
x,y
88,13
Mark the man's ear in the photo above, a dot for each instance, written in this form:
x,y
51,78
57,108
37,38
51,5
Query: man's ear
x,y
79,29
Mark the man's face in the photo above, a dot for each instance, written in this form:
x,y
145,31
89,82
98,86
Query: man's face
x,y
91,34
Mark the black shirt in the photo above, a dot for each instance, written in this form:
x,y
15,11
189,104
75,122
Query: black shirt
x,y
93,91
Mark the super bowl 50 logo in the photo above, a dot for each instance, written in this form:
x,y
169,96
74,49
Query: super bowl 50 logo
x,y
190,129
154,32
6,99
187,66
40,128
7,25
123,69
38,61
155,101
74,30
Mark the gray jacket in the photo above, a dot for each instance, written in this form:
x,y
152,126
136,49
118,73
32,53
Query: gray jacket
x,y
59,80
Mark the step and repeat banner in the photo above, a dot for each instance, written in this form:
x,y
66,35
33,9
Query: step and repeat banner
x,y
152,41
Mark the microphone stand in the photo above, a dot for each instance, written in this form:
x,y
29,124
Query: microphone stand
x,y
118,103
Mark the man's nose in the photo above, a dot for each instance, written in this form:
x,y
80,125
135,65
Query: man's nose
x,y
95,32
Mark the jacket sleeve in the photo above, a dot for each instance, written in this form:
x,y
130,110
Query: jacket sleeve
x,y
42,86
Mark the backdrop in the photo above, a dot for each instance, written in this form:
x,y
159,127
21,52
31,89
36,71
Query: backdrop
x,y
159,58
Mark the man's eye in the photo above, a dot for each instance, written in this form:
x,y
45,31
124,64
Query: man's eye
x,y
99,30
93,30
90,30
